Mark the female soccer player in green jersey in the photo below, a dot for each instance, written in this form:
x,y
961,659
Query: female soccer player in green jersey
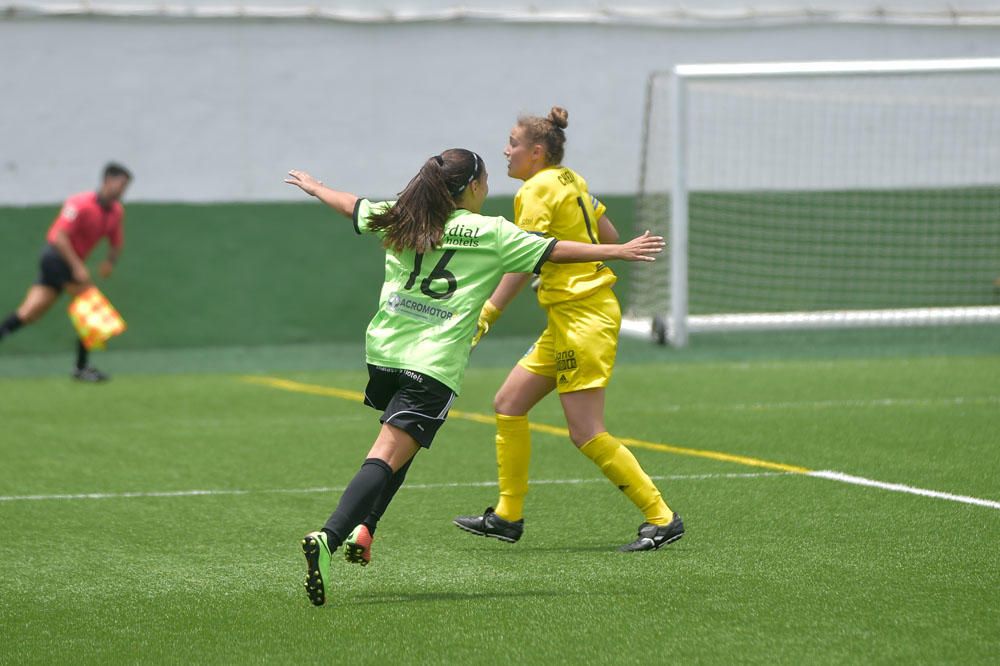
x,y
442,261
575,354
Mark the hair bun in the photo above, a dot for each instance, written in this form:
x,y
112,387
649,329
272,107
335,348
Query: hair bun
x,y
559,117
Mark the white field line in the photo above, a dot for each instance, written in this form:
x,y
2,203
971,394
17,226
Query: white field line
x,y
332,489
823,474
837,404
901,488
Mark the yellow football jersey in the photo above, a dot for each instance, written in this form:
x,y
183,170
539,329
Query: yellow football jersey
x,y
555,203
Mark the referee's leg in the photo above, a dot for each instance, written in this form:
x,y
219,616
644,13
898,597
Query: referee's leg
x,y
83,371
36,303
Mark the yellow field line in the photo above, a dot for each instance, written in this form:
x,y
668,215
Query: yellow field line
x,y
298,387
355,396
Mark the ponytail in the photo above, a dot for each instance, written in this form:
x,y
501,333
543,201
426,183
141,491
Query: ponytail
x,y
416,221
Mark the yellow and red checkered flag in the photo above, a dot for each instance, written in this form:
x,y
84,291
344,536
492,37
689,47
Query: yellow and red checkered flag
x,y
96,321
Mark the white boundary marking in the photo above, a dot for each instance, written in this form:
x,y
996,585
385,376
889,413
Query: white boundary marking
x,y
413,486
830,475
839,404
901,488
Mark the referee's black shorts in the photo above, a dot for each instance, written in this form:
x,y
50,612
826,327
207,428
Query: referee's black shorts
x,y
411,401
53,271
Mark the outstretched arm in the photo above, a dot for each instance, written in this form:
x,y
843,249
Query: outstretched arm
x,y
641,248
342,202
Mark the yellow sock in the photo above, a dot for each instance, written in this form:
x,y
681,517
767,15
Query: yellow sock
x,y
513,454
623,470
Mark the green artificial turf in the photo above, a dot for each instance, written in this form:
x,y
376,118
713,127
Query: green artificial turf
x,y
774,568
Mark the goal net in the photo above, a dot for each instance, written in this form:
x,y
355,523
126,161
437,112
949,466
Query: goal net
x,y
820,195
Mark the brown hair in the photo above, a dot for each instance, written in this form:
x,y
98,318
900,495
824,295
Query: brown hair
x,y
114,169
548,132
417,220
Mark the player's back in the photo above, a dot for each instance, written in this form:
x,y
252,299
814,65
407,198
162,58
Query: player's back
x,y
430,301
556,203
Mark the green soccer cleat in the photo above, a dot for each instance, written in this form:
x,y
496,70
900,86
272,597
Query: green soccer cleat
x,y
358,547
317,554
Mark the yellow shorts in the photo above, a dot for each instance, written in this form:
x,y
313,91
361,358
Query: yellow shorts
x,y
578,346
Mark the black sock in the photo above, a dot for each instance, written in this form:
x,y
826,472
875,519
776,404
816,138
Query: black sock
x,y
81,355
10,324
382,503
357,501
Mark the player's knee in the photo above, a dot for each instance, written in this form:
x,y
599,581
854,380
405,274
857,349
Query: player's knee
x,y
506,403
581,434
502,404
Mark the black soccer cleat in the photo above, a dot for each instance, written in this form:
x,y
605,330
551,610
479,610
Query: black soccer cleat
x,y
654,537
491,525
90,374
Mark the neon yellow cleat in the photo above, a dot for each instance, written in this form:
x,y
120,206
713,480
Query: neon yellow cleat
x,y
317,553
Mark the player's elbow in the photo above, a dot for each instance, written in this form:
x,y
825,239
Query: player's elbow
x,y
606,230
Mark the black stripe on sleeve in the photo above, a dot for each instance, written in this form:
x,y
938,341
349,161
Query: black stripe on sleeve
x,y
545,256
354,215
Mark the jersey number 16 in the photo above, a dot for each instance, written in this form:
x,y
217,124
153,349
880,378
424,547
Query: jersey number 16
x,y
438,273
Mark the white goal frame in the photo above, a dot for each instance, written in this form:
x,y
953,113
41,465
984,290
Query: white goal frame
x,y
676,325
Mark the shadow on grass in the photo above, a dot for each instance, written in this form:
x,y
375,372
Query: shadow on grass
x,y
491,546
611,548
534,550
410,597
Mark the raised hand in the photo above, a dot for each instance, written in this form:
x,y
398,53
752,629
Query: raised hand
x,y
304,181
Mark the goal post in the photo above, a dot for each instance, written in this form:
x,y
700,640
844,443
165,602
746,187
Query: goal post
x,y
819,195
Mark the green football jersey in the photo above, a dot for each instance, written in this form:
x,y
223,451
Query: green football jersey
x,y
430,302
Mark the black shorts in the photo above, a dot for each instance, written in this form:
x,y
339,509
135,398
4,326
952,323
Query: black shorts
x,y
53,271
411,401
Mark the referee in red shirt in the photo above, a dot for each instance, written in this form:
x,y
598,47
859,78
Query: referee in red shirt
x,y
84,220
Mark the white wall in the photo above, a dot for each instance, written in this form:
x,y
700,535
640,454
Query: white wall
x,y
659,10
218,110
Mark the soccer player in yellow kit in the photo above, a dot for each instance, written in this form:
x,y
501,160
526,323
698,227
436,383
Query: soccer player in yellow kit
x,y
575,354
